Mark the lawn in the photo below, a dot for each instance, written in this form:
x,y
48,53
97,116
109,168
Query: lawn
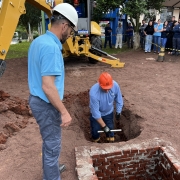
x,y
21,50
18,50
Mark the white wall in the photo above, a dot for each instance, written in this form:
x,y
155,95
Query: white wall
x,y
176,13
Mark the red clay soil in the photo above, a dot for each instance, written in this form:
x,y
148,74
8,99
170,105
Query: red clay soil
x,y
151,93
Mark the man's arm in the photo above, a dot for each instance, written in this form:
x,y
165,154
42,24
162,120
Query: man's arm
x,y
118,100
94,105
51,92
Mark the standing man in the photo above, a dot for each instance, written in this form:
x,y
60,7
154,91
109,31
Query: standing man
x,y
108,31
169,43
129,33
142,35
102,96
176,39
119,33
46,85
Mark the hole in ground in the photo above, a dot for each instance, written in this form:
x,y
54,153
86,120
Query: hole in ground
x,y
78,106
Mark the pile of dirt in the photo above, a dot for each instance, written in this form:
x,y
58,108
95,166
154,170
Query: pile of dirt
x,y
14,113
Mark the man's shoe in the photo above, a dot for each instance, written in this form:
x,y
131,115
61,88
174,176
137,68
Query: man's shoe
x,y
62,168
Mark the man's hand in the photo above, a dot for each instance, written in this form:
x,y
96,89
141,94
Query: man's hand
x,y
106,130
118,115
66,119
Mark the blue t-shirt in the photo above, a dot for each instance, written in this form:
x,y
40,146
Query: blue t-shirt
x,y
159,27
101,102
45,59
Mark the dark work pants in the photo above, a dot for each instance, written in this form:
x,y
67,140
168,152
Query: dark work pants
x,y
142,42
130,41
49,120
176,45
107,38
95,126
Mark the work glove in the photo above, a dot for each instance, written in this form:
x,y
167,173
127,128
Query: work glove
x,y
118,115
106,130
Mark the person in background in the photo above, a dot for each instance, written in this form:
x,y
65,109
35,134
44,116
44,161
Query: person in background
x,y
154,23
148,31
169,43
78,8
158,28
129,33
119,35
142,35
176,39
46,86
154,20
164,34
102,96
179,21
108,31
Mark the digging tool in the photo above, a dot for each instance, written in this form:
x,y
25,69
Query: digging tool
x,y
115,130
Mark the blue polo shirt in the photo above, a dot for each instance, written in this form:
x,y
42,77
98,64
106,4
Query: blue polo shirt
x,y
159,27
45,59
101,102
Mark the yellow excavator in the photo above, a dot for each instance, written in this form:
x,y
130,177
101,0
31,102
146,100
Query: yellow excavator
x,y
87,40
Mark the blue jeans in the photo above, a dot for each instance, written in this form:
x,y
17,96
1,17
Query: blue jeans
x,y
142,41
163,42
157,43
148,43
95,126
49,120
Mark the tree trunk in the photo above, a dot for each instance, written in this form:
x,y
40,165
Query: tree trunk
x,y
30,35
136,40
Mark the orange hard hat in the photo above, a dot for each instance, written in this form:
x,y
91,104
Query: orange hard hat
x,y
105,81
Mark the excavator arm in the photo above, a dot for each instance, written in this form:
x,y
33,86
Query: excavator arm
x,y
10,12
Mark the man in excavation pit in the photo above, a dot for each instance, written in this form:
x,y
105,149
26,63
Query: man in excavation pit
x,y
102,96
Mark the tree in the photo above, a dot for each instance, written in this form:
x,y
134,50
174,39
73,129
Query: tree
x,y
31,17
103,6
133,8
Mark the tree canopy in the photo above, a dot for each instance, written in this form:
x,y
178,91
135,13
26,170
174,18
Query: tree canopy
x,y
133,8
32,16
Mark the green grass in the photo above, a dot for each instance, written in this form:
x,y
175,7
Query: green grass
x,y
113,50
21,50
18,50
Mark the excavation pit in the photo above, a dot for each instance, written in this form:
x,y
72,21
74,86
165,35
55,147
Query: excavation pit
x,y
150,160
78,106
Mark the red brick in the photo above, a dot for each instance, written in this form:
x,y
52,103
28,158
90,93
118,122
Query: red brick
x,y
168,159
99,174
116,153
177,176
95,156
176,167
127,152
106,163
105,178
134,151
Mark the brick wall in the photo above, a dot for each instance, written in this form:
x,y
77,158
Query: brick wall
x,y
151,160
142,164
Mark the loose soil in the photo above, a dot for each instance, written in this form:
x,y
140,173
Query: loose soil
x,y
151,109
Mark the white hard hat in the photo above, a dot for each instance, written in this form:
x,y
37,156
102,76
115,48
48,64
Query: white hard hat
x,y
68,11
